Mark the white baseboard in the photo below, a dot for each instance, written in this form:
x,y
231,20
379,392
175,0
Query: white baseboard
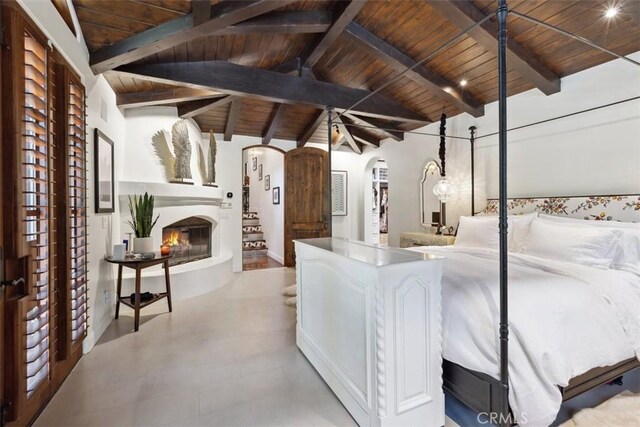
x,y
275,256
96,331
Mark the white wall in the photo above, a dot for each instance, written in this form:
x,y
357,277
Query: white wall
x,y
261,200
141,163
588,154
102,228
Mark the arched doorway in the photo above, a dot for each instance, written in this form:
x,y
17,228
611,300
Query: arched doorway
x,y
263,182
376,202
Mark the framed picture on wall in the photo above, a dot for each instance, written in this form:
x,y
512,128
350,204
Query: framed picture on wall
x,y
255,163
339,193
276,195
267,183
260,173
104,178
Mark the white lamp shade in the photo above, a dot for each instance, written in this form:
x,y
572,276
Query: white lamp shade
x,y
443,189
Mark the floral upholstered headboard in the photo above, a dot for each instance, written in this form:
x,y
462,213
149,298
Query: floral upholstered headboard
x,y
598,208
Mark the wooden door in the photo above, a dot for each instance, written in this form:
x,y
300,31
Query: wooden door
x,y
26,196
43,218
307,199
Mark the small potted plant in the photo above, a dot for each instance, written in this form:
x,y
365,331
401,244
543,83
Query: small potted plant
x,y
142,222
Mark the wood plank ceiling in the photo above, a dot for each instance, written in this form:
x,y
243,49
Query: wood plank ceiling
x,y
351,45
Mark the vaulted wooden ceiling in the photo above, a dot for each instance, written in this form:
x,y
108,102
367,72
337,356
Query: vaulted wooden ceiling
x,y
266,68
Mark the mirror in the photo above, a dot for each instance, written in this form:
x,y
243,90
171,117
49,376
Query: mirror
x,y
431,210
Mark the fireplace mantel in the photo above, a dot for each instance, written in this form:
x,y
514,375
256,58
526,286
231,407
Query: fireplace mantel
x,y
173,203
172,194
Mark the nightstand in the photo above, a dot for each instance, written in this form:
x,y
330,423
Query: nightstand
x,y
421,238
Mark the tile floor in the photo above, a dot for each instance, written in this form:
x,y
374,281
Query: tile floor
x,y
227,358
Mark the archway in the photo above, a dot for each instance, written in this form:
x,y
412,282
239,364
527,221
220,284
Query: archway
x,y
262,212
376,202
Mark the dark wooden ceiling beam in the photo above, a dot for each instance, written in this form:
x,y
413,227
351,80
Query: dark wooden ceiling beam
x,y
190,109
276,87
363,137
178,31
324,42
464,14
318,47
348,137
274,123
232,118
312,127
400,62
201,10
290,22
161,97
387,128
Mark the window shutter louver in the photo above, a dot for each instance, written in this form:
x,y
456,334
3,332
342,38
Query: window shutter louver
x,y
35,206
77,208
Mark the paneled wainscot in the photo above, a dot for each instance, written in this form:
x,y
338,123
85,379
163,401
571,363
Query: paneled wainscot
x,y
369,322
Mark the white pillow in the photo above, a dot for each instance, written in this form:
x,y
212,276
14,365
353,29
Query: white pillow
x,y
518,228
590,246
628,256
521,226
479,232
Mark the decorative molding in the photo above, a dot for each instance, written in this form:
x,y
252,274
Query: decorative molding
x,y
419,319
625,208
341,278
380,352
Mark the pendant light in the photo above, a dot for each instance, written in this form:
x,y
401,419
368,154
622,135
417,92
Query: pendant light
x,y
443,189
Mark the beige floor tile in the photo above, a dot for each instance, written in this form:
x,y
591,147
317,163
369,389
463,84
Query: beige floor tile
x,y
227,358
217,396
234,416
166,409
52,419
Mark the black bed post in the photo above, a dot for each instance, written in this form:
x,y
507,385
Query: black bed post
x,y
329,126
502,148
472,140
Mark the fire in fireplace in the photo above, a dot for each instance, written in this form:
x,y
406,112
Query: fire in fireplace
x,y
189,239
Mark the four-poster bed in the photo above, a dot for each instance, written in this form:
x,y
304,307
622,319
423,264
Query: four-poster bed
x,y
481,391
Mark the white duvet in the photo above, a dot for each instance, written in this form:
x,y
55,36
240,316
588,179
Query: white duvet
x,y
565,319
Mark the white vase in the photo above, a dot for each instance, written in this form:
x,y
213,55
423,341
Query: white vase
x,y
143,245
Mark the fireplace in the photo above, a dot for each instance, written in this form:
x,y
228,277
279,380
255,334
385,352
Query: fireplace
x,y
189,239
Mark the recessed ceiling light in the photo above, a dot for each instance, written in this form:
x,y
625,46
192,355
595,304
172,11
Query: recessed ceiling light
x,y
611,12
463,83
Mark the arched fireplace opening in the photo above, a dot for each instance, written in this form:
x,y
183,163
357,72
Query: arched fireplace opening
x,y
189,239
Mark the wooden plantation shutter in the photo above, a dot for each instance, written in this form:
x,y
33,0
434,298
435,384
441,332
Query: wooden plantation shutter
x,y
77,206
71,220
26,214
44,218
35,190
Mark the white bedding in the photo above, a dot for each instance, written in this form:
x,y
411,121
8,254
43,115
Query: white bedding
x,y
565,319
